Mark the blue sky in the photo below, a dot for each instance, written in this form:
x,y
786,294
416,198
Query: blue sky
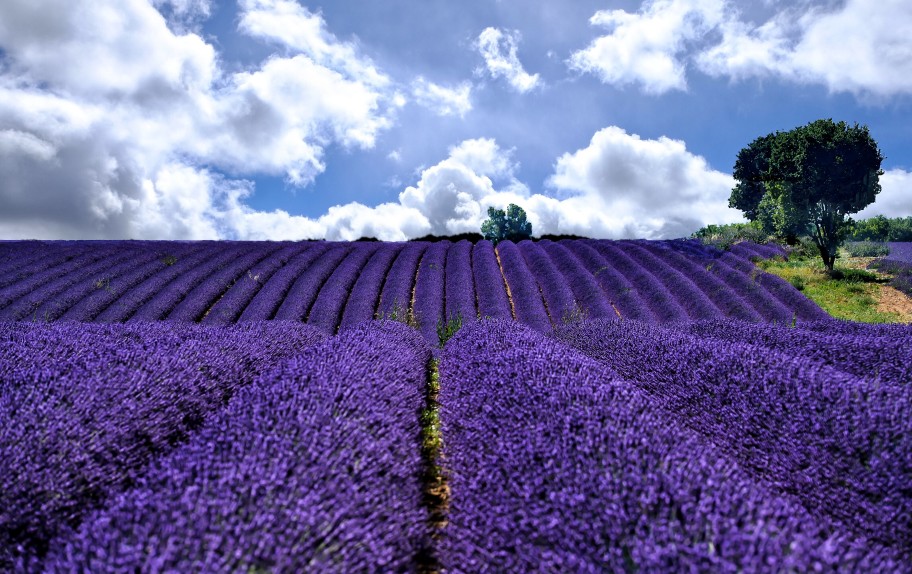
x,y
287,119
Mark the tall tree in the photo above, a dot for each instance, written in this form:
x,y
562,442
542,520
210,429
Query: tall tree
x,y
809,179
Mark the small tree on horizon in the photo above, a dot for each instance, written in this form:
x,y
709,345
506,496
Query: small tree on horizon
x,y
510,224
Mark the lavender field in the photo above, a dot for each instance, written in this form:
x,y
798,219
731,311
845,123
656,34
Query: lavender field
x,y
603,406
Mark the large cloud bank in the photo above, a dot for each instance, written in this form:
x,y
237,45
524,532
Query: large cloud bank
x,y
108,112
119,120
855,46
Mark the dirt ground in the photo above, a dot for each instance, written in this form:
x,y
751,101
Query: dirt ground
x,y
889,300
894,301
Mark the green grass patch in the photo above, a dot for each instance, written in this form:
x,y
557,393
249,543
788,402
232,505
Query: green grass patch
x,y
436,489
849,294
448,329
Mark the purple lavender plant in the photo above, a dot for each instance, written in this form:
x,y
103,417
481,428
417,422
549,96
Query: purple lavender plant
x,y
232,303
527,298
560,304
314,468
429,290
489,283
270,296
84,407
327,309
625,300
167,297
682,287
106,294
555,465
197,303
837,442
459,300
297,303
587,293
396,296
365,295
181,259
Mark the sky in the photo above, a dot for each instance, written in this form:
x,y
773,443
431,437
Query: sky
x,y
394,119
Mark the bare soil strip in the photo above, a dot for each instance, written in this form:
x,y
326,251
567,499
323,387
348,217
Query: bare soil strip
x,y
507,285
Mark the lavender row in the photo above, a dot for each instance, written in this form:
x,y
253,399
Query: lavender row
x,y
314,468
365,295
555,466
723,296
429,289
661,302
84,407
177,263
327,309
459,295
622,295
490,286
27,258
802,308
301,296
560,302
682,287
50,300
901,251
750,250
742,282
270,296
168,296
122,288
528,304
876,355
197,303
232,303
839,443
396,297
108,281
589,299
21,295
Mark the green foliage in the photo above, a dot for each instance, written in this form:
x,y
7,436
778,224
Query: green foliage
x,y
867,249
880,228
510,224
781,218
401,314
803,249
169,260
448,329
724,236
809,179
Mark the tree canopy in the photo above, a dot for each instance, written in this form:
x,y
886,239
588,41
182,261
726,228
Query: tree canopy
x,y
510,224
807,181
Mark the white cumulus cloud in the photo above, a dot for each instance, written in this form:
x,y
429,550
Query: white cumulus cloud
x,y
894,199
649,47
854,46
444,101
644,188
499,50
111,117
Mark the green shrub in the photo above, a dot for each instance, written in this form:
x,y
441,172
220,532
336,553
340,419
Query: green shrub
x,y
797,282
448,329
804,249
867,249
724,236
